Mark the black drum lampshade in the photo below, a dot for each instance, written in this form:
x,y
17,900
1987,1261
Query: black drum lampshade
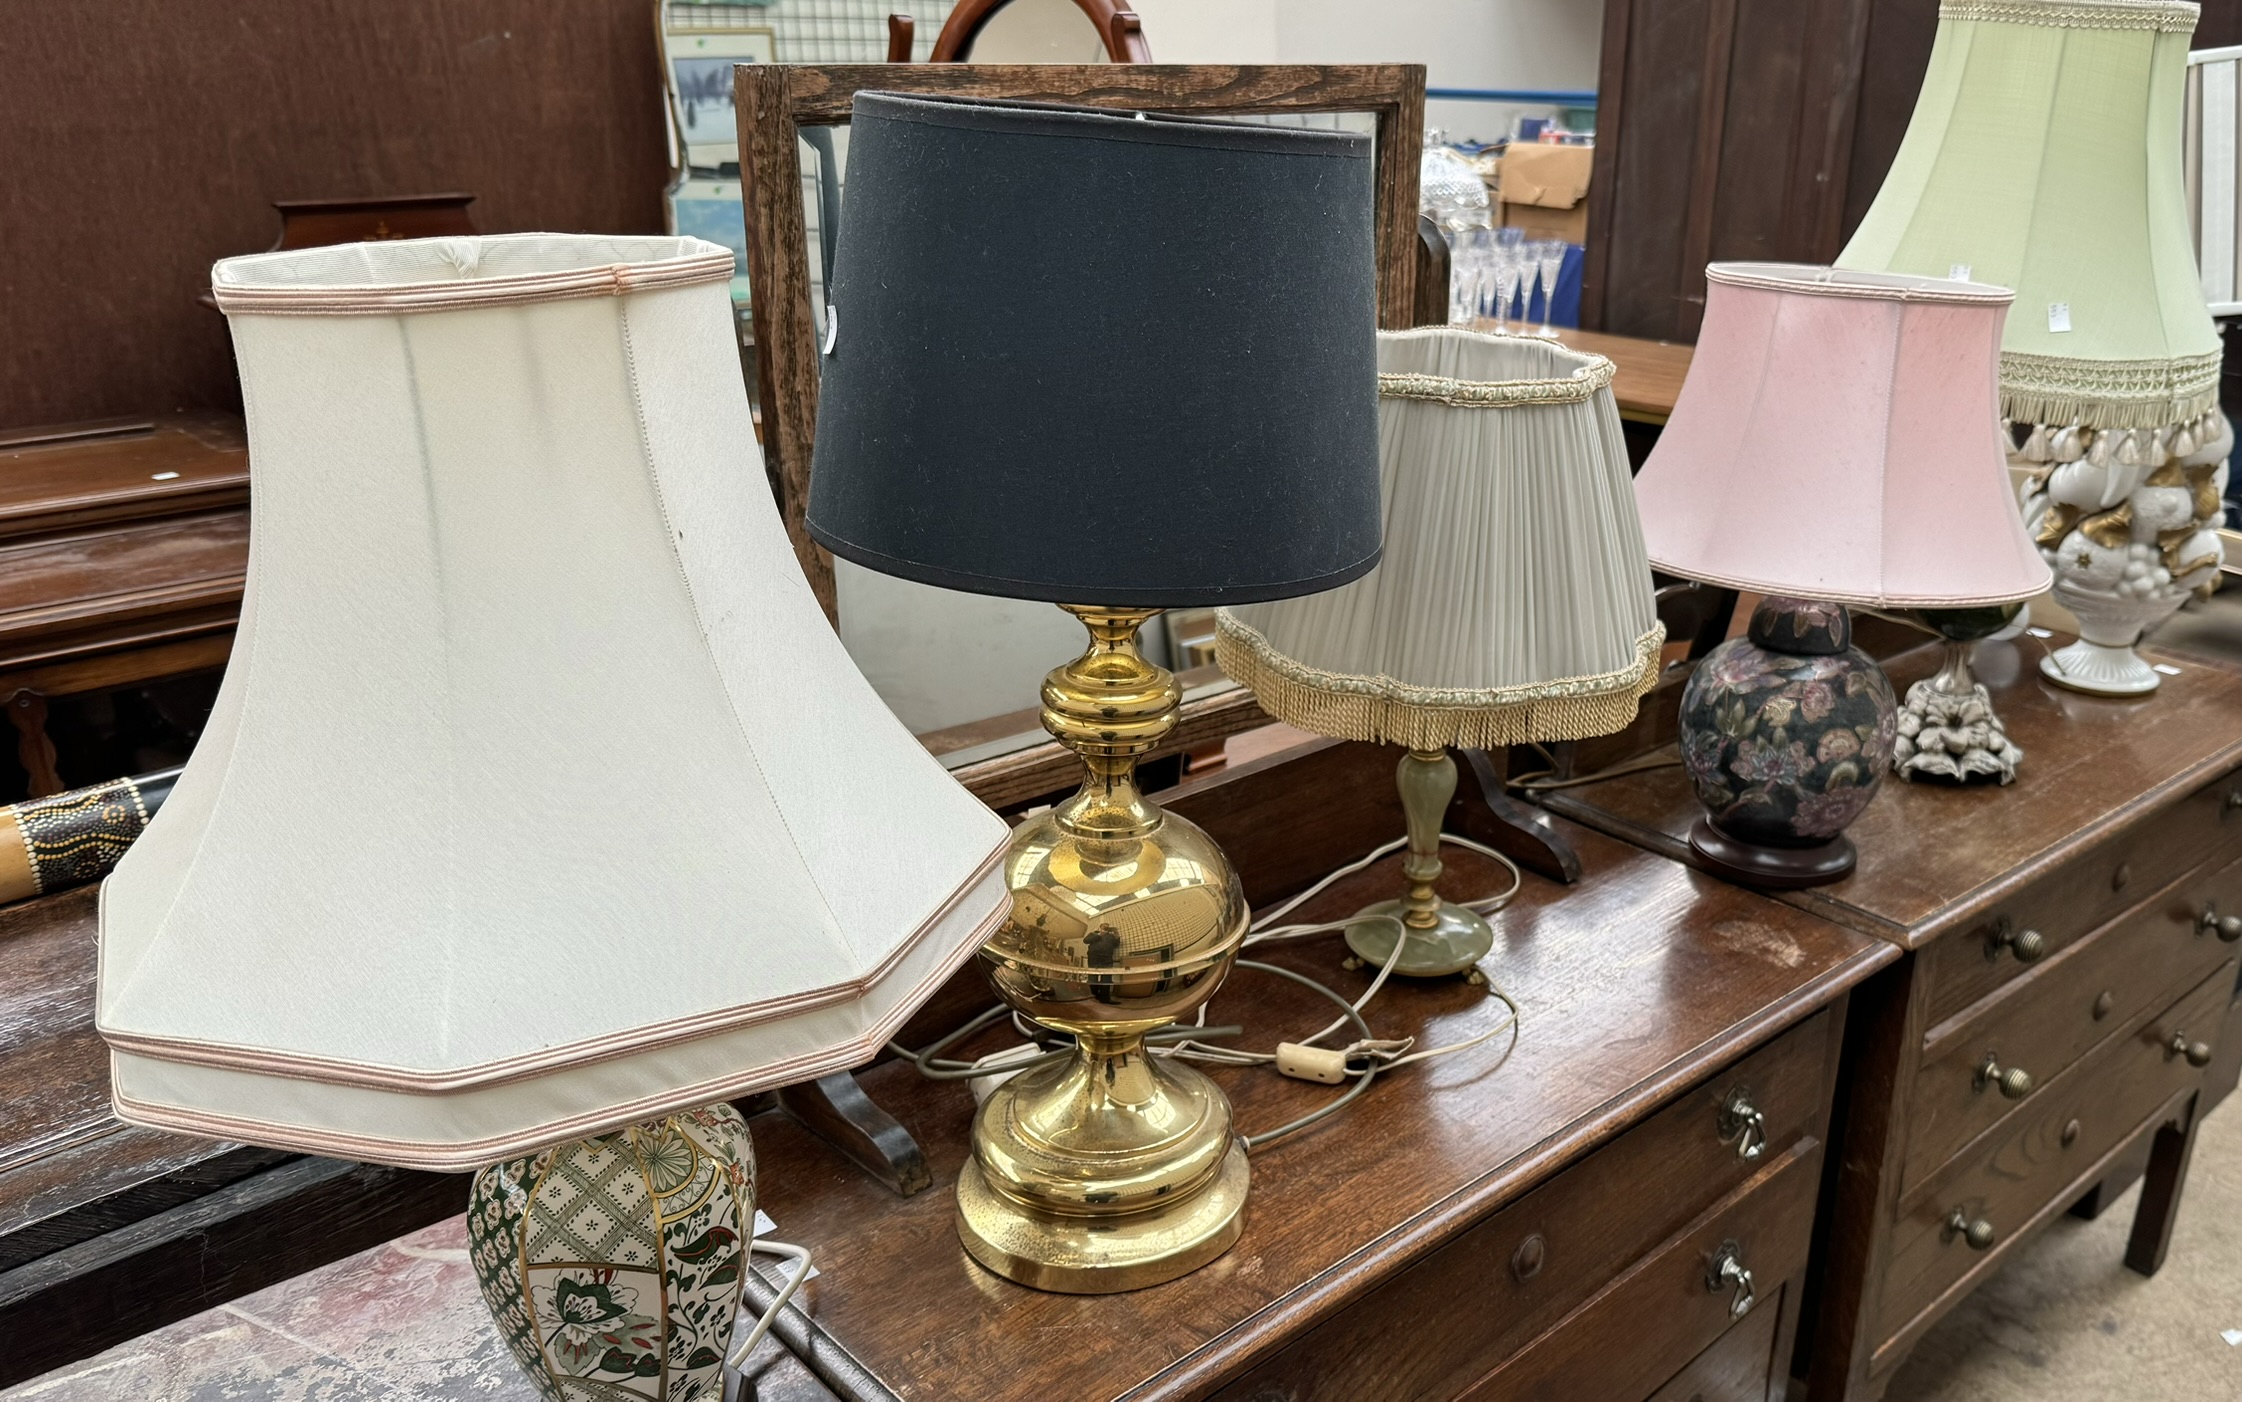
x,y
1100,357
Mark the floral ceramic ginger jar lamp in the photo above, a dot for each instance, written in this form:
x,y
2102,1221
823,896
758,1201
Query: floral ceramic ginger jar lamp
x,y
1833,444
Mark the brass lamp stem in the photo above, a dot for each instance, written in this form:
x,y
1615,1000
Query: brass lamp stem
x,y
1113,1169
1111,706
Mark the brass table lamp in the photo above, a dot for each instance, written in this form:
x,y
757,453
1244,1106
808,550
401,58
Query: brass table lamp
x,y
1119,362
1513,603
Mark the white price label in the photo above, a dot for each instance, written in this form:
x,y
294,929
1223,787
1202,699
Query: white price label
x,y
1960,272
2059,316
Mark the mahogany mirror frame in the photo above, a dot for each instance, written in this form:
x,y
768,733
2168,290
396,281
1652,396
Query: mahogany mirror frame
x,y
775,101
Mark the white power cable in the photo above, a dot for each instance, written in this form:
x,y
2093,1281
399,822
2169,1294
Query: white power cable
x,y
801,1256
1375,1054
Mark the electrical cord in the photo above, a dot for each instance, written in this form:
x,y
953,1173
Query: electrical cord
x,y
1187,1043
1543,781
801,1257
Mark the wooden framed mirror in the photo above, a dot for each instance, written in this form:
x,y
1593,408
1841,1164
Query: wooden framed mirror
x,y
779,103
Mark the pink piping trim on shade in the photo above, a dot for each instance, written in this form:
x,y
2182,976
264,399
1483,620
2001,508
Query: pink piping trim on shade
x,y
608,280
331,1071
1907,601
469,1154
1814,280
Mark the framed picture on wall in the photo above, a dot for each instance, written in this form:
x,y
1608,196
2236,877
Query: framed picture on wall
x,y
709,208
698,62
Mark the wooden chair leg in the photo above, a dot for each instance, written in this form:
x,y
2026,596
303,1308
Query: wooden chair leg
x,y
2160,1194
27,711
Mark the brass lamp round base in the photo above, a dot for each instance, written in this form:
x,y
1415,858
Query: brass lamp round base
x,y
1101,1255
1457,941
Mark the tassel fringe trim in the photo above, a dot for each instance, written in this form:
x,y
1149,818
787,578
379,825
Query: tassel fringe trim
x,y
2052,389
1384,711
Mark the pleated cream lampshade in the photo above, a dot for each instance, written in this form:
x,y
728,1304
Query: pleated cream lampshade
x,y
1513,602
540,798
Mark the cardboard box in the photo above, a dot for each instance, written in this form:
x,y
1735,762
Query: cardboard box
x,y
1545,190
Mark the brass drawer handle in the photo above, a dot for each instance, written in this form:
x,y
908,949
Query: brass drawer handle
x,y
2015,1082
1742,1121
2227,927
2026,945
1727,1269
2197,1053
1976,1233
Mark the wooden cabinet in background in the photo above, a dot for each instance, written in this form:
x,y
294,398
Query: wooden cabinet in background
x,y
1749,129
124,548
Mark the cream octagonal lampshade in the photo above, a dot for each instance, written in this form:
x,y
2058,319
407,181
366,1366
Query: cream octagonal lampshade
x,y
540,798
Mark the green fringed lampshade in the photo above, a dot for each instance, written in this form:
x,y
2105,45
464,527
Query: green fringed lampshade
x,y
2045,155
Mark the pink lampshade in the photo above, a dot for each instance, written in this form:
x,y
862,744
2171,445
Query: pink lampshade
x,y
1838,438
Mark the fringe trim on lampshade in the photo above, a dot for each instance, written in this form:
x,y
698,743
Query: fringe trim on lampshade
x,y
2053,389
1384,711
2168,16
1576,388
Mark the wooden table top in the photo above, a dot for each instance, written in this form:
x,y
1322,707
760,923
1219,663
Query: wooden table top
x,y
1935,856
1634,982
60,1147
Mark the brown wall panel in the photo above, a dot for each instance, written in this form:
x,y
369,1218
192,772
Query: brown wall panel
x,y
1643,187
142,139
1755,129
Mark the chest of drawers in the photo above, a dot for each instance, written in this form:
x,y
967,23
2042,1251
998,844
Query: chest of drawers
x,y
2069,972
1620,1208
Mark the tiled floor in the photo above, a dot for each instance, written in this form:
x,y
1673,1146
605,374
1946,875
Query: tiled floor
x,y
399,1323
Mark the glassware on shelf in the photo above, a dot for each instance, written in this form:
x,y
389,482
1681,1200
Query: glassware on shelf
x,y
1470,254
1549,258
1507,272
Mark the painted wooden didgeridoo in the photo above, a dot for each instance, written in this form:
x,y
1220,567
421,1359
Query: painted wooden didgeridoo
x,y
69,839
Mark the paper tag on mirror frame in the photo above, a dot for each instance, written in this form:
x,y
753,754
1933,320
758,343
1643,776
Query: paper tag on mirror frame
x,y
1959,272
2059,316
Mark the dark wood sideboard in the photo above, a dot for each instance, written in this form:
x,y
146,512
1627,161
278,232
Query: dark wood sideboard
x,y
2068,971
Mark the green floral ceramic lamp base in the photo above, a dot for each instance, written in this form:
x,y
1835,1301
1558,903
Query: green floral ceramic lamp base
x,y
613,1266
